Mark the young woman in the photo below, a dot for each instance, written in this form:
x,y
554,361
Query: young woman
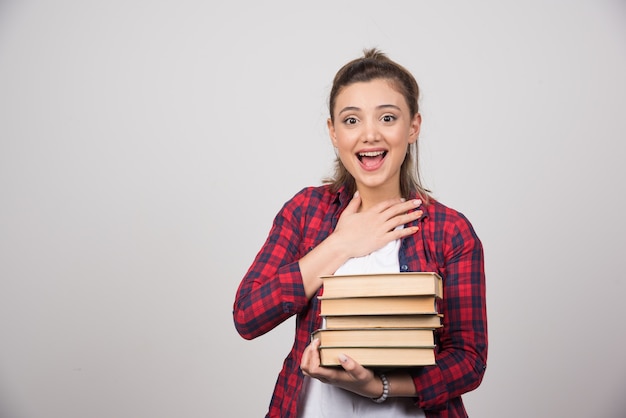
x,y
372,216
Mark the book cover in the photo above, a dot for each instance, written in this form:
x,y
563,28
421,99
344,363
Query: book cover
x,y
380,356
383,284
381,337
382,321
383,305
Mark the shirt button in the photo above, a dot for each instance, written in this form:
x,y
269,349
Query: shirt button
x,y
404,267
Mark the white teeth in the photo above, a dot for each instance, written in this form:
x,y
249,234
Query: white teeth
x,y
371,153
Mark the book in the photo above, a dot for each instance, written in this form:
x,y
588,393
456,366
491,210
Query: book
x,y
385,320
380,337
383,284
380,356
382,321
383,305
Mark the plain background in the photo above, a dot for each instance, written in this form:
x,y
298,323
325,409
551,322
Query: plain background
x,y
145,147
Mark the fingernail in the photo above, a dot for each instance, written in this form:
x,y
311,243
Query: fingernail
x,y
356,193
342,358
417,202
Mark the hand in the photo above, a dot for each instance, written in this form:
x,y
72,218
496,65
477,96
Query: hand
x,y
364,232
352,376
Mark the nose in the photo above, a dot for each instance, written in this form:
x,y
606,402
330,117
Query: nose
x,y
371,132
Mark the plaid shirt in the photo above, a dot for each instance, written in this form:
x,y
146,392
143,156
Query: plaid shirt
x,y
272,291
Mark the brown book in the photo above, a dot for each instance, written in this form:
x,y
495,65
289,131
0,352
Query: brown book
x,y
383,284
383,305
382,321
381,337
380,356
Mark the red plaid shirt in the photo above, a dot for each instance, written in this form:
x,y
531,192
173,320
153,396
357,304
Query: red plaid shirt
x,y
272,291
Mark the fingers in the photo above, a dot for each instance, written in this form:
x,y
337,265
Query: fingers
x,y
404,219
361,231
394,207
310,358
354,377
402,213
347,363
357,378
355,370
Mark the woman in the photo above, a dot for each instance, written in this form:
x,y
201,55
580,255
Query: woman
x,y
372,216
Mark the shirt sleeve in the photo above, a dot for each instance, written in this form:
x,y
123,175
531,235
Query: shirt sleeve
x,y
272,291
462,350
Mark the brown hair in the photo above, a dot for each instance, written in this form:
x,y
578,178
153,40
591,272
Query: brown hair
x,y
374,64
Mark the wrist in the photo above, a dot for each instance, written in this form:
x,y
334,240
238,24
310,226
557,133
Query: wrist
x,y
339,249
385,390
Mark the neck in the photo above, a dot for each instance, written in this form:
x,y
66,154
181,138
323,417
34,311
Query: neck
x,y
371,197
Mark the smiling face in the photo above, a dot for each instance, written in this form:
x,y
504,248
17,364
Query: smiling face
x,y
372,130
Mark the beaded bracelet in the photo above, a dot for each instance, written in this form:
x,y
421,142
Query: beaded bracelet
x,y
385,394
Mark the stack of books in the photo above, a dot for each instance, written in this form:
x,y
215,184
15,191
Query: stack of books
x,y
386,320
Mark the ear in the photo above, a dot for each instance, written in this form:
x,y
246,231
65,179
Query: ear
x,y
414,129
331,132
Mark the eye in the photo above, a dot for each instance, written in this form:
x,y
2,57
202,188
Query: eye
x,y
388,118
350,120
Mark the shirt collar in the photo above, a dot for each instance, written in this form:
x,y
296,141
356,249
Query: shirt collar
x,y
342,196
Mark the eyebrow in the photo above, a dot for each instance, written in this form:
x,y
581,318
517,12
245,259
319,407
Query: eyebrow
x,y
355,108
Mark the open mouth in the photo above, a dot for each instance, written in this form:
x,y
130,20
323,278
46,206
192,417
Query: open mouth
x,y
371,159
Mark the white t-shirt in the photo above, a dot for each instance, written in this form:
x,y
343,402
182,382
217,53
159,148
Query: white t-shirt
x,y
321,400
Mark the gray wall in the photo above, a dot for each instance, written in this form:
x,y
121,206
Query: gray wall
x,y
145,147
